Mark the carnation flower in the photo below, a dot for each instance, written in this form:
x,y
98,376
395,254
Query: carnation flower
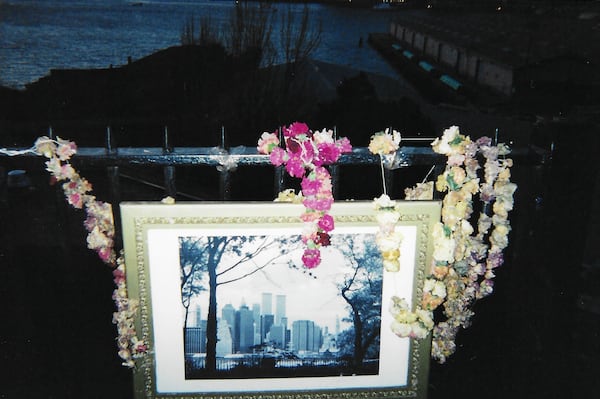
x,y
383,143
305,154
267,143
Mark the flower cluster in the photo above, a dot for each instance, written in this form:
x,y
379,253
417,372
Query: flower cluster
x,y
305,155
388,240
130,347
465,256
409,324
385,144
99,222
101,231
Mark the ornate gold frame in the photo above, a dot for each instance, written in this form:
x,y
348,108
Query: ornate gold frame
x,y
140,218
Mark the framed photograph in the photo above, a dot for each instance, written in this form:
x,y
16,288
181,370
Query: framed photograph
x,y
229,311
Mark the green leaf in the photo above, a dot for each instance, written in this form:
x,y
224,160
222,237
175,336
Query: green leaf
x,y
447,231
452,185
457,140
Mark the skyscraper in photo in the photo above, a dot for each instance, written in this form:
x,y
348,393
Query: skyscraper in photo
x,y
245,329
228,314
225,338
197,316
267,303
266,321
279,308
306,336
257,328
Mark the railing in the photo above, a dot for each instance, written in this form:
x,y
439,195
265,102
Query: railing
x,y
117,162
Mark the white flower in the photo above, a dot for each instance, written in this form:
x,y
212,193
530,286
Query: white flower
x,y
443,247
324,136
388,242
384,201
426,318
386,218
401,329
436,287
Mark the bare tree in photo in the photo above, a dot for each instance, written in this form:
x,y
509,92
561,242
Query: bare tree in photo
x,y
226,260
361,289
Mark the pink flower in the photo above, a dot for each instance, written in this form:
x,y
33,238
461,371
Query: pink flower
x,y
310,216
76,200
65,149
310,185
105,254
295,167
326,223
311,258
118,276
296,129
304,157
318,204
344,145
328,154
278,156
267,142
308,152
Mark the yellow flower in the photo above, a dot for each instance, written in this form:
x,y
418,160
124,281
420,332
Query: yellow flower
x,y
441,184
289,195
391,266
458,174
440,272
45,146
383,143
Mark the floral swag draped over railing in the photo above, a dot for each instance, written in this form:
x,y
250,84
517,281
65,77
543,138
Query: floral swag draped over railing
x,y
465,256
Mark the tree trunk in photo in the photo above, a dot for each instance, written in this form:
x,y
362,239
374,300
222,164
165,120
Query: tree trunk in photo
x,y
211,322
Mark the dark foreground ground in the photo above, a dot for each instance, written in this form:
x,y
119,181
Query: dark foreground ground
x,y
536,337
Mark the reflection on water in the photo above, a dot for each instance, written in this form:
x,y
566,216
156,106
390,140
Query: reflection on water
x,y
36,36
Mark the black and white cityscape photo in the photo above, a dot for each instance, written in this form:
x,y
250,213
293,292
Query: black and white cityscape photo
x,y
250,312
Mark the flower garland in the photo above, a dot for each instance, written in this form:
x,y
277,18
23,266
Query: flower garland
x,y
388,240
305,155
464,262
101,231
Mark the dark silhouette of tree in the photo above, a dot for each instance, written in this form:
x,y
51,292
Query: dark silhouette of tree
x,y
269,88
191,258
361,289
225,260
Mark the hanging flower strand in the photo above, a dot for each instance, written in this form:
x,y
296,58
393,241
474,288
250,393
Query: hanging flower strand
x,y
464,257
385,144
305,155
101,231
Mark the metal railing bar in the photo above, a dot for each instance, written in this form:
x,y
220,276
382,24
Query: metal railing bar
x,y
158,186
243,155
